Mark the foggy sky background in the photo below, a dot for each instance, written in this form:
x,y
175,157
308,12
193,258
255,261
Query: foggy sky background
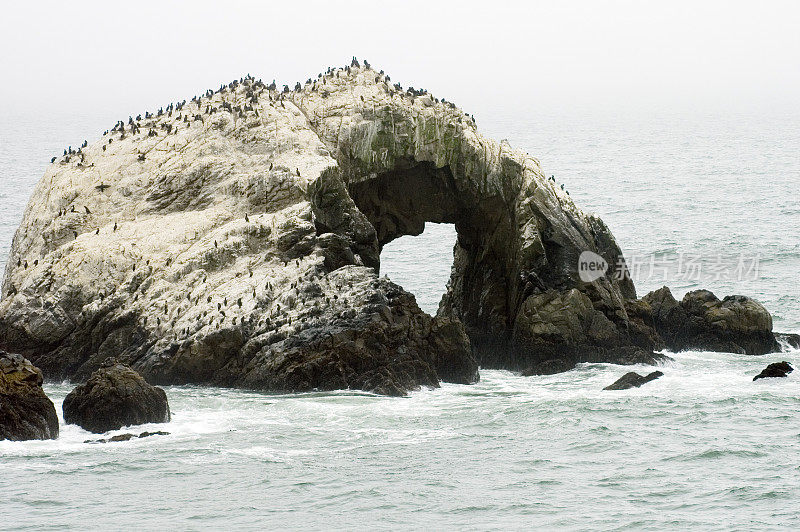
x,y
489,57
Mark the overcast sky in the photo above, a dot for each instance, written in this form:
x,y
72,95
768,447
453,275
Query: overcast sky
x,y
132,56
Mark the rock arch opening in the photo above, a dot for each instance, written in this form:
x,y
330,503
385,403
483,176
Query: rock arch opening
x,y
422,264
400,201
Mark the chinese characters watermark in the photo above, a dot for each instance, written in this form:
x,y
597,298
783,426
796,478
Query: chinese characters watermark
x,y
688,267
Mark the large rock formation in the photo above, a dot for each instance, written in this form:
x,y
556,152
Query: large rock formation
x,y
115,396
735,324
26,413
235,240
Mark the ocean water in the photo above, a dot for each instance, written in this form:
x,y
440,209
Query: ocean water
x,y
703,447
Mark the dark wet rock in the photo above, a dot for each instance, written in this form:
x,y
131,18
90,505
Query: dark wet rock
x,y
454,361
26,413
127,437
556,330
626,356
146,434
776,369
115,396
735,324
549,367
633,380
790,339
389,348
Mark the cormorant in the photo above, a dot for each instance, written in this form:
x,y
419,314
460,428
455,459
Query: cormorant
x,y
87,209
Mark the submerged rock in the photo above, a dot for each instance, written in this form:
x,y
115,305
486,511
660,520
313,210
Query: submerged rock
x,y
776,369
549,367
115,396
128,437
633,380
628,355
26,413
735,324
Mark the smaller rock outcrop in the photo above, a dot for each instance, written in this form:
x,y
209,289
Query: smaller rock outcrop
x,y
776,369
735,324
115,396
633,380
127,437
26,413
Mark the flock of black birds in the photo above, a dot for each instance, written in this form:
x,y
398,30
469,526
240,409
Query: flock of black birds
x,y
253,89
553,179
